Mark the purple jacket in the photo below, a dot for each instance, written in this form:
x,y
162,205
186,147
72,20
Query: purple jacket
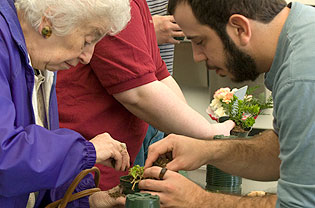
x,y
32,158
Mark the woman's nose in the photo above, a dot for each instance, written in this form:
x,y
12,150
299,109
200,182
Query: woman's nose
x,y
86,55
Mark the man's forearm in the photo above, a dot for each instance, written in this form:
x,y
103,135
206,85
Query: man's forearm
x,y
254,158
216,200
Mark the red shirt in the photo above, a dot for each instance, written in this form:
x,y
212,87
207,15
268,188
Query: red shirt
x,y
119,63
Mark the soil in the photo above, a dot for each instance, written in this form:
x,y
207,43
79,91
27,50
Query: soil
x,y
115,193
163,160
238,129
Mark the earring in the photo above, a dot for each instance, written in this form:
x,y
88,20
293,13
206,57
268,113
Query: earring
x,y
46,32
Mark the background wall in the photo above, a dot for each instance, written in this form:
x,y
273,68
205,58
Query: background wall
x,y
310,2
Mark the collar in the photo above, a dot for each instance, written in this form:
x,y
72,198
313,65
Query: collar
x,y
9,13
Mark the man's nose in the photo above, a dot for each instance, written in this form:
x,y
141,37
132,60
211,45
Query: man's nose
x,y
198,55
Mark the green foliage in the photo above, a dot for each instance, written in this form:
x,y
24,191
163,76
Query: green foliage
x,y
137,174
247,110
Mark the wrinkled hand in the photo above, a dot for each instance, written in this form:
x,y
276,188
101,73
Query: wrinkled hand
x,y
102,199
166,29
187,153
223,128
111,152
174,190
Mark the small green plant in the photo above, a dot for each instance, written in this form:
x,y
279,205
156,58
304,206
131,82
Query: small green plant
x,y
137,174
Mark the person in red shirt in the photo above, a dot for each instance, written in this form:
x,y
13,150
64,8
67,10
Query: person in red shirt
x,y
125,86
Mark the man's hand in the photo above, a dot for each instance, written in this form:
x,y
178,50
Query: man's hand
x,y
166,29
111,152
174,190
187,153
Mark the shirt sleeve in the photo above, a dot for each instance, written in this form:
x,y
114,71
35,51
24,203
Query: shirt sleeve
x,y
41,159
33,158
296,124
131,58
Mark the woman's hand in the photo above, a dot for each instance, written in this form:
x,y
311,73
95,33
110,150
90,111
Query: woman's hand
x,y
111,152
166,29
223,128
103,199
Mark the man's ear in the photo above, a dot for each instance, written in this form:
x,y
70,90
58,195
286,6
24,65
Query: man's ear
x,y
239,29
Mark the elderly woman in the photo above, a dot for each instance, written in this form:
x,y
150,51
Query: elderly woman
x,y
38,37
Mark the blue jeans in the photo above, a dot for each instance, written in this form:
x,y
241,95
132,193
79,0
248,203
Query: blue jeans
x,y
153,135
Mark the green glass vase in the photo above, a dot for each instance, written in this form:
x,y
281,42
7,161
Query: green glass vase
x,y
221,182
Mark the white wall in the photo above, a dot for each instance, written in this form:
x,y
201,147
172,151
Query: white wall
x,y
311,2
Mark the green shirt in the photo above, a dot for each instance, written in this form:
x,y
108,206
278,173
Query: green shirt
x,y
292,82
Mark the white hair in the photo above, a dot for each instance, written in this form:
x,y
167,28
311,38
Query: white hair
x,y
65,15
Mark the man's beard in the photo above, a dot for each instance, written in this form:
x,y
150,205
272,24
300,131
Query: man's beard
x,y
241,65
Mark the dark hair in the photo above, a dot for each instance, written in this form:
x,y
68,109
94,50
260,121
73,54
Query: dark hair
x,y
211,11
216,13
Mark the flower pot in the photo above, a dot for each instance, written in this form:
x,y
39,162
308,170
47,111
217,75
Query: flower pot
x,y
223,118
243,134
145,200
236,131
219,181
125,183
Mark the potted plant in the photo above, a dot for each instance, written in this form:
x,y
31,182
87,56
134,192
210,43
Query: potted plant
x,y
129,183
243,111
